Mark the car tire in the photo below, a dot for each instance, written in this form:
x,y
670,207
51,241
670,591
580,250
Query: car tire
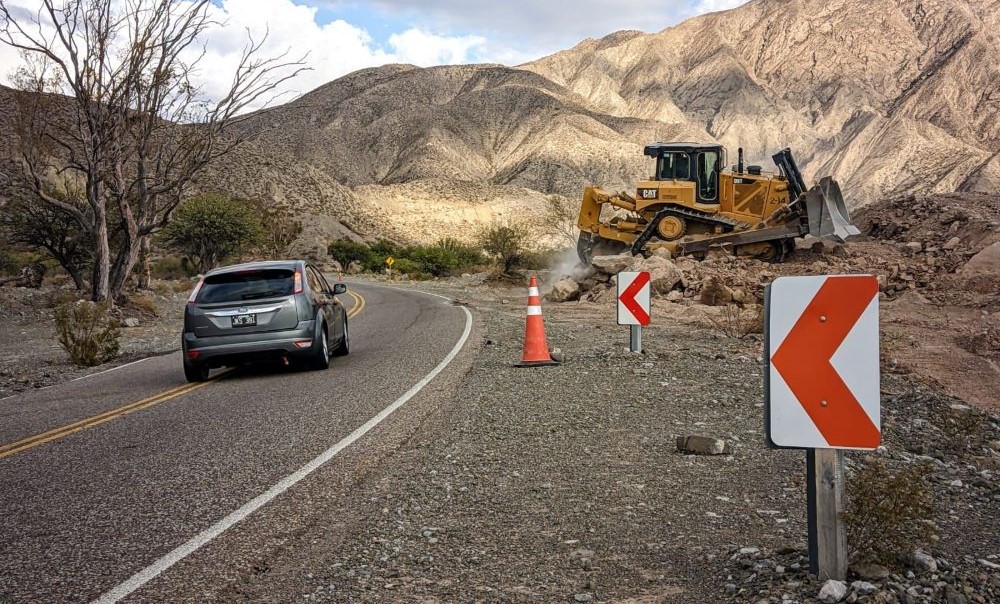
x,y
344,348
321,358
195,373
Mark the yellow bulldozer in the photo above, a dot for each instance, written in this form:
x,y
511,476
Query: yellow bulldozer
x,y
693,204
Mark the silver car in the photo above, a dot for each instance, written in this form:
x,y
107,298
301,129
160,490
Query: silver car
x,y
263,311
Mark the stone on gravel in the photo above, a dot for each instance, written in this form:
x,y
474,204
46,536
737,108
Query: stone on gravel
x,y
716,293
663,274
870,570
924,562
612,265
952,243
703,445
583,597
130,322
564,290
863,588
833,591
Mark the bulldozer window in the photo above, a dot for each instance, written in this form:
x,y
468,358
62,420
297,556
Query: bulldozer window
x,y
674,166
708,177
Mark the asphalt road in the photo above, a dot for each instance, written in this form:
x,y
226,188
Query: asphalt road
x,y
82,511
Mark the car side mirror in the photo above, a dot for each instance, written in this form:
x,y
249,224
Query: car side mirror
x,y
339,288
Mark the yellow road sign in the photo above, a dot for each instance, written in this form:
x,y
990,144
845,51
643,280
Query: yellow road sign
x,y
390,261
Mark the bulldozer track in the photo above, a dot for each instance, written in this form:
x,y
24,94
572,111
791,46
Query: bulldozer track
x,y
686,213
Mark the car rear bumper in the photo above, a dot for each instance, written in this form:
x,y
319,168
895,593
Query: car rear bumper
x,y
217,351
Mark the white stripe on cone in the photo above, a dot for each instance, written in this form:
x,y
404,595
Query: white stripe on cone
x,y
534,310
532,291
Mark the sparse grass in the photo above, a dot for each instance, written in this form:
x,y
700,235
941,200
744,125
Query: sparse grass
x,y
736,322
889,514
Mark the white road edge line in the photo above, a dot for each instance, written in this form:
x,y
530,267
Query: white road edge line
x,y
156,568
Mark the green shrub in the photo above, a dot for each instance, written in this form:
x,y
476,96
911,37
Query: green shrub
x,y
505,243
889,514
210,228
346,251
88,332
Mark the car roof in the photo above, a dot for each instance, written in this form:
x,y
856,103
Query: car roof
x,y
250,266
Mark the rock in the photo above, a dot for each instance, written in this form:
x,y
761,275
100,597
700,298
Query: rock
x,y
952,243
715,293
557,355
749,551
924,562
334,266
988,564
564,290
952,596
354,267
130,322
583,597
703,445
611,265
833,591
807,243
914,246
870,570
863,588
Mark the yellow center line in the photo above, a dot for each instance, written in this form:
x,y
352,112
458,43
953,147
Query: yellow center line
x,y
95,420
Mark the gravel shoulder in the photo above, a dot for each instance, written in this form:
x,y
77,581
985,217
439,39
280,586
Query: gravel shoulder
x,y
565,483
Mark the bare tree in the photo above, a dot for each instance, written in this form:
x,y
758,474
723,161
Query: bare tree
x,y
561,217
138,129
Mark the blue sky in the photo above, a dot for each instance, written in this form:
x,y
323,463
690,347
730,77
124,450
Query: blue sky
x,y
341,36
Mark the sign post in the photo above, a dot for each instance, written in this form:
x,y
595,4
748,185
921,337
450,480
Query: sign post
x,y
389,262
822,392
633,305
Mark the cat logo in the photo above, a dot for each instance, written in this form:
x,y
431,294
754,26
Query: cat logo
x,y
648,193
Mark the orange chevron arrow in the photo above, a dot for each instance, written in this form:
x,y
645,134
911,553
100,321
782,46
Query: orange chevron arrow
x,y
803,360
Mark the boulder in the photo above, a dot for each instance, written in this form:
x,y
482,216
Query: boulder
x,y
354,267
564,290
334,266
611,265
715,293
663,274
952,243
986,261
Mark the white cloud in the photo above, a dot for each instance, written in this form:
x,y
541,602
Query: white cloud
x,y
426,49
510,32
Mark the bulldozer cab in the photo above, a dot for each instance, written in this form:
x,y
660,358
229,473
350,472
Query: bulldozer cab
x,y
697,164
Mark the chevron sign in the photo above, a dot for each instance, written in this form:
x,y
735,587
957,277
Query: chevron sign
x,y
822,382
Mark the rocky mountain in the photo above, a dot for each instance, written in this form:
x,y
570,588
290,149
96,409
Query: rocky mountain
x,y
888,96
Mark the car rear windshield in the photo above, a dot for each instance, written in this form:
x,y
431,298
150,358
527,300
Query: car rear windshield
x,y
247,285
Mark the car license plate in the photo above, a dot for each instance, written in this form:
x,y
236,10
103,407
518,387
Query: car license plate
x,y
244,320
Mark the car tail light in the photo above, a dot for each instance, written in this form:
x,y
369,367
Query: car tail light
x,y
298,282
303,343
195,291
193,354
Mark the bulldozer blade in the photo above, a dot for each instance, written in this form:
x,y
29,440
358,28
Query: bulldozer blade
x,y
827,212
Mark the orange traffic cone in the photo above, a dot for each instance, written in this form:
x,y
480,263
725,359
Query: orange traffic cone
x,y
536,348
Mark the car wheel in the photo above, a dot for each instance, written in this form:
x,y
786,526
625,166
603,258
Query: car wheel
x,y
344,347
321,360
195,373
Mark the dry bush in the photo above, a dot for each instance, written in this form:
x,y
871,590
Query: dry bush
x,y
61,297
145,304
963,428
88,332
737,322
889,514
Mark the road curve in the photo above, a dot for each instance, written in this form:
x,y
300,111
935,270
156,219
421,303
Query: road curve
x,y
85,511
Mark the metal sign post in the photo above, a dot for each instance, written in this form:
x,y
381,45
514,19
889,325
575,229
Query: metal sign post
x,y
633,305
389,262
822,392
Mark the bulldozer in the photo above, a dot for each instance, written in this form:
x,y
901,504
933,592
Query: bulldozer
x,y
693,203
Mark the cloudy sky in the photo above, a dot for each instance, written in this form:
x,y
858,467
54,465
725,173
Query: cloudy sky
x,y
341,36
